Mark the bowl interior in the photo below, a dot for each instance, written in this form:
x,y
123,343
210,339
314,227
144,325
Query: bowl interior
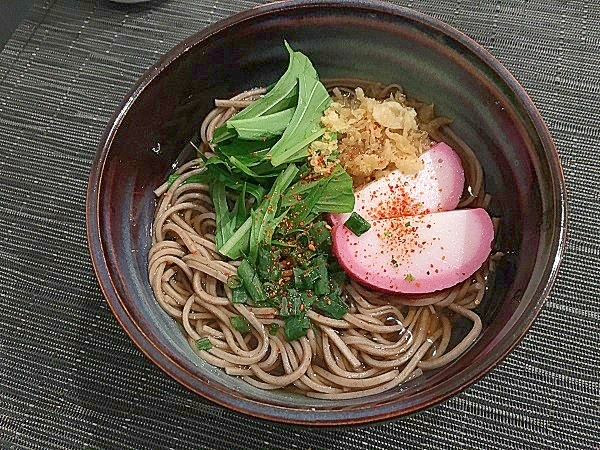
x,y
381,43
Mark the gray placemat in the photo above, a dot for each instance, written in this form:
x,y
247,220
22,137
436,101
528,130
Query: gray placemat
x,y
69,376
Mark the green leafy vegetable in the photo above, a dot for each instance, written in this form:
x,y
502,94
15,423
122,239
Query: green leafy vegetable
x,y
228,223
253,285
264,218
283,95
313,99
262,127
250,153
225,219
217,171
267,201
333,194
237,244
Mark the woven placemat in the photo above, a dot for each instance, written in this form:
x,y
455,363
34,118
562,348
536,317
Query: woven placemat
x,y
69,376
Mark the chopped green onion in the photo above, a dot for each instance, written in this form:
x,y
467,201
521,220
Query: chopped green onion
x,y
305,279
357,224
267,264
284,311
203,344
234,281
337,274
273,329
308,298
303,240
409,277
321,284
295,302
321,236
240,323
239,295
296,327
333,305
172,179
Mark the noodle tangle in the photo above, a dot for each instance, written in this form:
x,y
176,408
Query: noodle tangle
x,y
380,343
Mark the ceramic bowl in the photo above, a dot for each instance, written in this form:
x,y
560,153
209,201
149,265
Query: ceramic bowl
x,y
368,40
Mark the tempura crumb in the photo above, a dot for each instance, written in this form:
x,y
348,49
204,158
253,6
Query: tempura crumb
x,y
374,137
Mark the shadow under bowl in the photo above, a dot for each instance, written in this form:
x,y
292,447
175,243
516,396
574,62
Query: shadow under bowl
x,y
366,40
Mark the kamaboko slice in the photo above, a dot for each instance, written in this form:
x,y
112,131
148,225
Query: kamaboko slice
x,y
416,255
438,186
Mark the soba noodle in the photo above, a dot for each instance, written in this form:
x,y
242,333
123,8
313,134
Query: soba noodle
x,y
381,342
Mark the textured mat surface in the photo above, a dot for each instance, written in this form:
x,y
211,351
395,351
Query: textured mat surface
x,y
69,376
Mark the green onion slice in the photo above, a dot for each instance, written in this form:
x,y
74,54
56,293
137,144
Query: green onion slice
x,y
357,224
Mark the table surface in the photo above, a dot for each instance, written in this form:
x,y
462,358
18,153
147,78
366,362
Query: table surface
x,y
70,377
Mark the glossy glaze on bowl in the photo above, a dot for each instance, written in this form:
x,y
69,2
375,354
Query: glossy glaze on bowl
x,y
357,39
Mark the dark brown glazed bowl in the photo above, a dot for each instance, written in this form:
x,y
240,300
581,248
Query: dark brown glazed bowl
x,y
368,40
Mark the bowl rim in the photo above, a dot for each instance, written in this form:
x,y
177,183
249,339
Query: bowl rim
x,y
319,417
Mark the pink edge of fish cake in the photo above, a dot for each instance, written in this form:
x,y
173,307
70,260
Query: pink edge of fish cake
x,y
416,255
438,186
